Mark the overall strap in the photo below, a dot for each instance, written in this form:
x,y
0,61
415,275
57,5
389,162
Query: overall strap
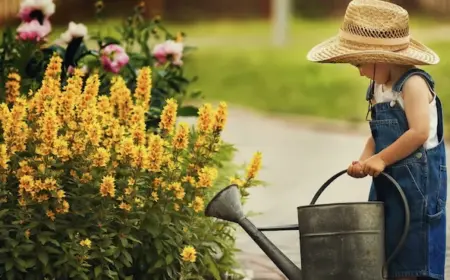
x,y
398,86
369,92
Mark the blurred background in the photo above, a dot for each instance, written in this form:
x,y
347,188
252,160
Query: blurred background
x,y
252,54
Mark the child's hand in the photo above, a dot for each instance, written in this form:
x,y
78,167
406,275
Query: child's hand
x,y
373,166
355,170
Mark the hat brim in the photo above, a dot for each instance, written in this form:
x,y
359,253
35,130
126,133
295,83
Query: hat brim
x,y
332,51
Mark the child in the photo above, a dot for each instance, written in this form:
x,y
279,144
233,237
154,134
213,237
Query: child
x,y
406,139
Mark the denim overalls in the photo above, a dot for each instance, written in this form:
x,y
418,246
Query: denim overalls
x,y
423,177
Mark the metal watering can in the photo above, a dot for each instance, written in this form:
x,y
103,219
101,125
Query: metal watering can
x,y
338,241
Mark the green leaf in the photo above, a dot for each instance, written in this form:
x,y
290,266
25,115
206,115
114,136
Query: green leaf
x,y
43,257
169,259
9,265
188,111
3,212
97,271
212,266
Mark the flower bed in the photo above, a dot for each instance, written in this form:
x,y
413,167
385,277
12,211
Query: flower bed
x,y
98,177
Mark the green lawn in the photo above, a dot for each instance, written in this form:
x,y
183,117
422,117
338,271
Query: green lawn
x,y
247,70
236,62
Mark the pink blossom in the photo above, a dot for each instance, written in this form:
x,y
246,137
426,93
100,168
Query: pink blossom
x,y
45,7
113,58
71,70
33,30
169,50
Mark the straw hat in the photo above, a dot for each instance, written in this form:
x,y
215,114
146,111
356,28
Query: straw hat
x,y
373,31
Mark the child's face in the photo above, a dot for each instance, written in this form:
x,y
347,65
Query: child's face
x,y
381,72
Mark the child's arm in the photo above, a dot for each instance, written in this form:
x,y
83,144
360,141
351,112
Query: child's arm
x,y
369,149
416,95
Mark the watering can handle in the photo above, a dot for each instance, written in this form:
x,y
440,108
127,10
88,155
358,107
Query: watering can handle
x,y
405,205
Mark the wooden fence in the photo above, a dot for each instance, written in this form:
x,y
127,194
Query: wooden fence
x,y
8,9
187,10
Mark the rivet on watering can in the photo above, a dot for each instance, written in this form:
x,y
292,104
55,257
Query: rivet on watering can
x,y
392,104
419,155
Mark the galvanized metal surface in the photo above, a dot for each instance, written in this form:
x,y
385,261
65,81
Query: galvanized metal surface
x,y
342,241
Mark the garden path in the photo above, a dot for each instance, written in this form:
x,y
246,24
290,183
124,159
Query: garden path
x,y
296,161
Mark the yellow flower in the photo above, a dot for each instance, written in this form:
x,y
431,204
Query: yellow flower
x,y
107,187
12,87
86,178
220,118
204,121
63,208
189,254
198,204
101,157
169,116
237,181
178,190
50,214
254,166
60,194
155,196
144,87
176,207
206,177
155,152
181,139
125,206
126,148
140,157
86,243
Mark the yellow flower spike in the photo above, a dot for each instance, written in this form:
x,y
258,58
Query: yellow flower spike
x,y
169,116
181,139
144,87
53,69
140,157
155,153
254,166
189,254
4,158
220,118
12,87
205,115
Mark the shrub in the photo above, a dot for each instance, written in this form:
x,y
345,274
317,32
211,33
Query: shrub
x,y
87,192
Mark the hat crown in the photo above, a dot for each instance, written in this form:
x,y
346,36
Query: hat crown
x,y
376,19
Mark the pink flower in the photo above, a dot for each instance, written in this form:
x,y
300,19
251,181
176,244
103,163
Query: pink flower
x,y
33,30
169,50
113,58
33,9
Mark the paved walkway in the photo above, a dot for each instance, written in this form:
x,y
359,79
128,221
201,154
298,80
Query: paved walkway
x,y
296,161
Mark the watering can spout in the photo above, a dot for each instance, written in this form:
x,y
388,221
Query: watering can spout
x,y
226,205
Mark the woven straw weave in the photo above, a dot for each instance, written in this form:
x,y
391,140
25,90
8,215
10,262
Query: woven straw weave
x,y
373,31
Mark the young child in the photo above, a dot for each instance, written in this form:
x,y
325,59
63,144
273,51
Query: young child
x,y
406,139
